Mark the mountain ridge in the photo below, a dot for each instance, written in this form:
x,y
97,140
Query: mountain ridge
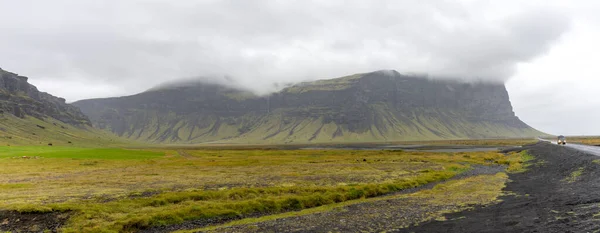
x,y
21,99
375,106
31,117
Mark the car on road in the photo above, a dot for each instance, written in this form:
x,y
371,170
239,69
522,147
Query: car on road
x,y
561,140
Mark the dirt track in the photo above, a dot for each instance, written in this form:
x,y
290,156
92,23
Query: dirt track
x,y
547,198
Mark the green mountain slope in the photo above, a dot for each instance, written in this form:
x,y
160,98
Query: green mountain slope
x,y
377,106
30,131
31,117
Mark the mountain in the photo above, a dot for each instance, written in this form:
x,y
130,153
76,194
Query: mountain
x,y
377,106
31,117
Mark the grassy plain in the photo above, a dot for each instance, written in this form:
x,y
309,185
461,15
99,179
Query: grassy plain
x,y
483,142
124,190
587,140
450,143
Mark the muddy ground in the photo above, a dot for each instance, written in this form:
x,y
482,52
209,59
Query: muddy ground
x,y
12,221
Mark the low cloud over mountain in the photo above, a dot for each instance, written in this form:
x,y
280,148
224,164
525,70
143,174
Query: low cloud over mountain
x,y
121,47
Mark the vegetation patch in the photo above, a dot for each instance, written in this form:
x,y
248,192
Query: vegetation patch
x,y
453,196
30,131
587,140
105,189
482,142
76,153
14,186
519,162
574,176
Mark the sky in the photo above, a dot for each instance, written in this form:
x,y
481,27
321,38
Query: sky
x,y
545,51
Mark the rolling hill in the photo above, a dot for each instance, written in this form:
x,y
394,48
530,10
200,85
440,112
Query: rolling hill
x,y
376,106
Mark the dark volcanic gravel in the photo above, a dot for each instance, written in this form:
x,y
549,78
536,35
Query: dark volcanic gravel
x,y
12,221
545,199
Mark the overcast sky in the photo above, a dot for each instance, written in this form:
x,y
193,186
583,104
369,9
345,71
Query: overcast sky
x,y
546,51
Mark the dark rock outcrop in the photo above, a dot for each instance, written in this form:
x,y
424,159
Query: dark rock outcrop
x,y
22,99
382,105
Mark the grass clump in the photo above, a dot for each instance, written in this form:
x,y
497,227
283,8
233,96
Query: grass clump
x,y
14,186
574,176
518,162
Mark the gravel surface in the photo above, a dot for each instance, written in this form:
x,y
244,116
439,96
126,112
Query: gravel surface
x,y
547,198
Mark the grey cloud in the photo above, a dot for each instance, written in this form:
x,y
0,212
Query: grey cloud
x,y
134,45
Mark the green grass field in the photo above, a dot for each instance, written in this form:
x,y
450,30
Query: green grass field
x,y
124,190
76,153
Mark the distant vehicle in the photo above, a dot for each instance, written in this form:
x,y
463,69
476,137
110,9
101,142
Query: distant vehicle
x,y
561,140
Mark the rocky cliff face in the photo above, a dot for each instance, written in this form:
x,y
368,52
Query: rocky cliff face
x,y
383,105
21,99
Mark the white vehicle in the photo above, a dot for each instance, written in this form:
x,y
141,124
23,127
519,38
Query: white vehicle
x,y
561,140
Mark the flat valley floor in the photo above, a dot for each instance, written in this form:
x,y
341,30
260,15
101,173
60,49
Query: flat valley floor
x,y
536,188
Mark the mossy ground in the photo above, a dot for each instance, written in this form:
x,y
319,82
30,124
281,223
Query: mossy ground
x,y
111,190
